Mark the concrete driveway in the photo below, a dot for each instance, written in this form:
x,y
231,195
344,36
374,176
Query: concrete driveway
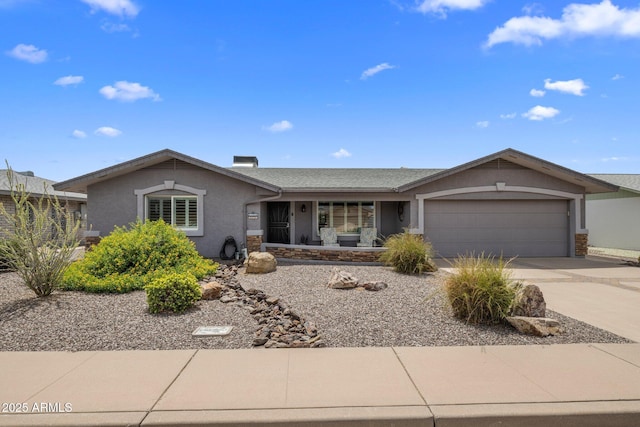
x,y
601,292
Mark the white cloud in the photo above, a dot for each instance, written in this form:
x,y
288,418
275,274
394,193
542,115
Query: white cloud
x,y
114,7
483,124
508,116
617,77
578,20
108,131
574,87
78,134
129,92
341,153
29,53
69,80
533,9
375,70
441,7
110,27
540,113
537,93
281,126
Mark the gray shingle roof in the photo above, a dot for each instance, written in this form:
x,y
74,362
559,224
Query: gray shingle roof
x,y
35,185
310,179
627,181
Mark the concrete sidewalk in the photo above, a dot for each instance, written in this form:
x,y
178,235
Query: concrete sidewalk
x,y
581,385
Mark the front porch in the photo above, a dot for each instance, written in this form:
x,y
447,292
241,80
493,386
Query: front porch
x,y
323,253
291,229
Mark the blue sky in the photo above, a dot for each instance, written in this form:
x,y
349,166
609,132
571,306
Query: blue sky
x,y
86,84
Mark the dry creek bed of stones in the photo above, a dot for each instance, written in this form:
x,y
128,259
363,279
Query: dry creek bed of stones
x,y
291,307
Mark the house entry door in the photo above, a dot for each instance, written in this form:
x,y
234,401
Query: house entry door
x,y
278,223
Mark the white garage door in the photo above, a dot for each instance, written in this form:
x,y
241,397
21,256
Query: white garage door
x,y
524,228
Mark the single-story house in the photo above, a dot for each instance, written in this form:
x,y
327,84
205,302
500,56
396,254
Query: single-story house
x,y
37,187
613,219
508,203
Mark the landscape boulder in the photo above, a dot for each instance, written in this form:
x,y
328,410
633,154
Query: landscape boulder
x,y
536,326
260,263
529,302
342,280
211,290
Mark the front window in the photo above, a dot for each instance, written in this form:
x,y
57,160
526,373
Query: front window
x,y
346,217
179,211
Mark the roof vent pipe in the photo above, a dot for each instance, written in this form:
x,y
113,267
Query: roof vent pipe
x,y
245,161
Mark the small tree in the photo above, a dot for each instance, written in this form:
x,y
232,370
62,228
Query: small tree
x,y
37,237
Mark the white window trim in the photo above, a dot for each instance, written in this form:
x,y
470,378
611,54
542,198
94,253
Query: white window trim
x,y
171,185
330,220
172,200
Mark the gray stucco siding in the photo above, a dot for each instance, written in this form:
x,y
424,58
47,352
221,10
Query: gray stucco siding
x,y
113,202
482,176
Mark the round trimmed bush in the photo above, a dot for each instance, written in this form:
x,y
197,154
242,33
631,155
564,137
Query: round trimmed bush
x,y
174,292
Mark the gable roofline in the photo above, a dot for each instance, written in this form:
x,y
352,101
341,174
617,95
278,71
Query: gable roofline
x,y
80,184
591,184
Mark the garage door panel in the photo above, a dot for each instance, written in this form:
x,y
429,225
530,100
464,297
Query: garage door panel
x,y
508,227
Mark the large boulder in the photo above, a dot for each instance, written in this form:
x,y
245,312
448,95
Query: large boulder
x,y
537,326
261,262
529,302
342,280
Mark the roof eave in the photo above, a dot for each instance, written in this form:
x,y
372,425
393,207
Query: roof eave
x,y
80,184
590,184
337,190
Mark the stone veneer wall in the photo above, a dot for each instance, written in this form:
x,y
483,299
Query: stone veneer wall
x,y
253,243
317,254
582,242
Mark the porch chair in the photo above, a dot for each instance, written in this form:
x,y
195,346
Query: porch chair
x,y
329,236
367,237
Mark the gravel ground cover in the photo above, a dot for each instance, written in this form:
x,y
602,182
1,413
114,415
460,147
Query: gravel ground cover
x,y
410,312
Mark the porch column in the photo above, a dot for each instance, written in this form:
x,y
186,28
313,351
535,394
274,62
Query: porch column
x,y
254,240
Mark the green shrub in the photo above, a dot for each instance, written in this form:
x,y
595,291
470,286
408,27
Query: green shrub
x,y
480,290
127,259
408,254
173,292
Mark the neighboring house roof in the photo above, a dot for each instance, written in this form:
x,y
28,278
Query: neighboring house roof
x,y
337,180
629,182
34,185
81,183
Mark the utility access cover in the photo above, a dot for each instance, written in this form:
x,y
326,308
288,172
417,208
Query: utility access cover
x,y
204,331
